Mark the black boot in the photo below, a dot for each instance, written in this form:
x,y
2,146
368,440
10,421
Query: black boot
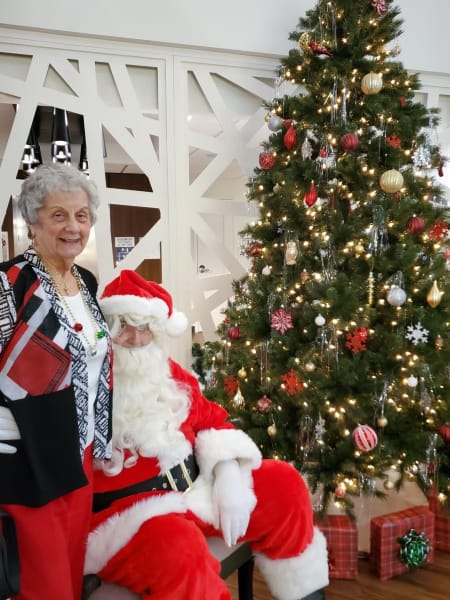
x,y
90,584
317,595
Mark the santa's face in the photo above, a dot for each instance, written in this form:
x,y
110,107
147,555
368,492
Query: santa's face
x,y
133,336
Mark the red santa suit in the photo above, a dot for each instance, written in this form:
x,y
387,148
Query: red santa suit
x,y
150,538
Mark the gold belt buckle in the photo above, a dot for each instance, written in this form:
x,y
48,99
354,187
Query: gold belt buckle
x,y
186,476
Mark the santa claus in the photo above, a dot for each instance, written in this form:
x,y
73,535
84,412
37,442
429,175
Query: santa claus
x,y
181,471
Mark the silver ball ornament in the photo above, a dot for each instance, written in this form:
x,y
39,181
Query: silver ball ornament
x,y
396,296
275,123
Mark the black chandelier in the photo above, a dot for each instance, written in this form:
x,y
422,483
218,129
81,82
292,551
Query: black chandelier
x,y
60,140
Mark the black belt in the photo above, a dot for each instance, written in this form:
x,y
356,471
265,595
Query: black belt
x,y
179,478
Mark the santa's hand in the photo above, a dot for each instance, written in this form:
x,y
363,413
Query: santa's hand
x,y
231,508
8,430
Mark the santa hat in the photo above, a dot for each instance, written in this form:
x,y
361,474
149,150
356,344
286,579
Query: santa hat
x,y
130,293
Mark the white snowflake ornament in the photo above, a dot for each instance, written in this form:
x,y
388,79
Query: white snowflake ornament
x,y
417,334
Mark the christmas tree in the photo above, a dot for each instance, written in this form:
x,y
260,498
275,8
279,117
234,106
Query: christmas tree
x,y
334,352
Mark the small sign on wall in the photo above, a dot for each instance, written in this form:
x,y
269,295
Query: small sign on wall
x,y
5,246
123,246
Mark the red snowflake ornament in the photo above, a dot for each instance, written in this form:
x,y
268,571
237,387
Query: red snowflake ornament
x,y
292,382
438,231
281,320
356,340
230,385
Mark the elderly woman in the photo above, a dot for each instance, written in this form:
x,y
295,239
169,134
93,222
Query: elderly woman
x,y
55,373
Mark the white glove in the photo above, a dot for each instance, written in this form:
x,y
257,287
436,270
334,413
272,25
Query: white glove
x,y
8,430
230,503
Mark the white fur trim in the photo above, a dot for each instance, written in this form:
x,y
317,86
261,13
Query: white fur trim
x,y
215,445
295,578
115,533
137,305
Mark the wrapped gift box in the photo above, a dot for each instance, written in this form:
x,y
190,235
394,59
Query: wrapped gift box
x,y
385,531
342,541
441,523
442,533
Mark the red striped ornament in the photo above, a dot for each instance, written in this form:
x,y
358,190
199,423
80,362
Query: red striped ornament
x,y
365,438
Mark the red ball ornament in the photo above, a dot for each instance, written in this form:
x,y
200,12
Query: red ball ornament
x,y
264,404
234,332
266,160
290,137
365,438
415,224
444,432
339,492
311,196
77,327
349,142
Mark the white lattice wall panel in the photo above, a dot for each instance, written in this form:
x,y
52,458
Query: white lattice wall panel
x,y
190,121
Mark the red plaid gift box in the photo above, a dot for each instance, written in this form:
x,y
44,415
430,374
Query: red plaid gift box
x,y
441,522
342,540
442,532
385,531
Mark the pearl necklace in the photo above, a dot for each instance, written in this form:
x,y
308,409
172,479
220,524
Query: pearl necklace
x,y
76,325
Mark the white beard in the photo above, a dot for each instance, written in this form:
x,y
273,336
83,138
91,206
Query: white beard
x,y
149,407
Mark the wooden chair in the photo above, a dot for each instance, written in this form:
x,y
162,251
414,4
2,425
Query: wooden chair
x,y
239,558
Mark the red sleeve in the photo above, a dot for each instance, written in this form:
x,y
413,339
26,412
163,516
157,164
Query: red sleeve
x,y
204,413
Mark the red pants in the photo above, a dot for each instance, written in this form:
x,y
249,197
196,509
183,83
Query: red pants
x,y
169,558
52,543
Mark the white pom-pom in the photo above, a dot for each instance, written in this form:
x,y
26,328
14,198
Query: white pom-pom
x,y
176,324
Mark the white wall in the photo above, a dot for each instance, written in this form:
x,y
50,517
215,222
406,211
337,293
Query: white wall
x,y
256,26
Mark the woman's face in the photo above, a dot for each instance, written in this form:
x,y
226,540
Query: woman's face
x,y
63,226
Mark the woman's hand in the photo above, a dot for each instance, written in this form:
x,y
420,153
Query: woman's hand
x,y
8,431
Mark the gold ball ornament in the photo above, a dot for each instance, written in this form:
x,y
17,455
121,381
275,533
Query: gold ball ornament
x,y
242,373
391,181
272,430
382,421
371,83
303,42
388,484
310,367
434,296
